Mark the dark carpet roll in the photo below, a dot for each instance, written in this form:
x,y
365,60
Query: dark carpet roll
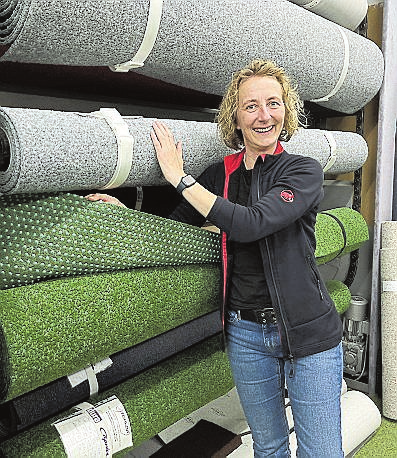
x,y
153,400
51,399
54,328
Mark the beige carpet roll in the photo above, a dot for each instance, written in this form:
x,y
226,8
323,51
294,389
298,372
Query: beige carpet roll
x,y
388,276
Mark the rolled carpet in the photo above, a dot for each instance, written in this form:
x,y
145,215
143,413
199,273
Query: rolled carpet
x,y
388,277
347,15
49,236
54,328
46,401
35,406
340,294
193,43
51,151
340,230
64,235
153,400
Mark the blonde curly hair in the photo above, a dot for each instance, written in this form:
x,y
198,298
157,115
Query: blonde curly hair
x,y
227,116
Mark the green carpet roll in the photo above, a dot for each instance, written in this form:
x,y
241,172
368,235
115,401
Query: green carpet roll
x,y
340,294
54,328
338,232
48,236
153,400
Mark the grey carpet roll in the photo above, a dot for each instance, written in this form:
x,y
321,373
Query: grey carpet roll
x,y
200,44
45,151
347,14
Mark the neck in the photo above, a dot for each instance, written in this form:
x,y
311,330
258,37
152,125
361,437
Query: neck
x,y
249,161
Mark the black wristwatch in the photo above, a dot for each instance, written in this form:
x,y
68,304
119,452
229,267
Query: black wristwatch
x,y
185,182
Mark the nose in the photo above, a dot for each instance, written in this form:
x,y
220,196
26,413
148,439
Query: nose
x,y
264,112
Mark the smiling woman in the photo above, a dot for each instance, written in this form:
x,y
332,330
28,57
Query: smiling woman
x,y
276,307
260,116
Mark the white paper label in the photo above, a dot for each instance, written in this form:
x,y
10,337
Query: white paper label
x,y
96,431
389,286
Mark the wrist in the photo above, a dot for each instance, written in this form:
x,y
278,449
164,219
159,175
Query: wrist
x,y
186,181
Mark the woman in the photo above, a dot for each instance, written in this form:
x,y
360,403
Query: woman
x,y
281,326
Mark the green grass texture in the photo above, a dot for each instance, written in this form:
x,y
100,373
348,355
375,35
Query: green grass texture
x,y
339,231
54,328
153,400
49,236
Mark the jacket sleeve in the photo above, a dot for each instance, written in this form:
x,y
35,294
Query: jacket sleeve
x,y
298,189
185,212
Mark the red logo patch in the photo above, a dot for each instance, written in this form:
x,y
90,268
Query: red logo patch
x,y
287,195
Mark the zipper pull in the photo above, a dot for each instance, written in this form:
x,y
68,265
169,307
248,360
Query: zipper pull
x,y
319,288
291,371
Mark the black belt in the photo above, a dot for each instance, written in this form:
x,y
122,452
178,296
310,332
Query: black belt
x,y
261,316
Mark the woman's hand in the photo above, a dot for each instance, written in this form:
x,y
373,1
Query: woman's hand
x,y
97,197
169,153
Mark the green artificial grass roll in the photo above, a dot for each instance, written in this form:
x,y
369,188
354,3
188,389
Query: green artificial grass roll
x,y
54,328
338,232
47,236
340,294
153,400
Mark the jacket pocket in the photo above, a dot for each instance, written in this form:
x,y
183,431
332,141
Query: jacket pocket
x,y
315,274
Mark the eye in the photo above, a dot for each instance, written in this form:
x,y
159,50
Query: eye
x,y
274,104
251,107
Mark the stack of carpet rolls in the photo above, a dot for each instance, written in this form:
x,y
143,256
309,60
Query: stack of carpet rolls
x,y
85,283
99,300
195,38
40,152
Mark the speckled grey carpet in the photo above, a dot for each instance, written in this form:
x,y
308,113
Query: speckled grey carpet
x,y
199,44
44,150
388,277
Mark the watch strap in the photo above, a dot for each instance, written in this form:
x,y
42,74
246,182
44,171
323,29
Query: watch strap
x,y
185,182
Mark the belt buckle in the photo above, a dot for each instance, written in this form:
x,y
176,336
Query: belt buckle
x,y
266,316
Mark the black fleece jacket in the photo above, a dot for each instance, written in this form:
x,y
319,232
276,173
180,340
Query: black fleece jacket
x,y
285,193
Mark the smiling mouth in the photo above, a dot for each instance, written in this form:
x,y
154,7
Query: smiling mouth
x,y
263,130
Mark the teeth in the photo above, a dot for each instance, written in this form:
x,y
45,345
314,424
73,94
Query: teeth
x,y
263,130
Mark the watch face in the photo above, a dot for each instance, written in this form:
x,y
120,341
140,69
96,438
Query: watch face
x,y
188,180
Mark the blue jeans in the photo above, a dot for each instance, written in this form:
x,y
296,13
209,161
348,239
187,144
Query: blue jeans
x,y
260,374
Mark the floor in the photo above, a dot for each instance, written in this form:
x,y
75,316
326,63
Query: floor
x,y
226,411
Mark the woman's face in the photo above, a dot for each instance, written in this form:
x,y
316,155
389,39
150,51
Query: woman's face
x,y
260,114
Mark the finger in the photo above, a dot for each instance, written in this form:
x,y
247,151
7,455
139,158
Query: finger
x,y
163,129
154,138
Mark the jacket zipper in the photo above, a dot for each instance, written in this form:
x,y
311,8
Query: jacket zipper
x,y
290,355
